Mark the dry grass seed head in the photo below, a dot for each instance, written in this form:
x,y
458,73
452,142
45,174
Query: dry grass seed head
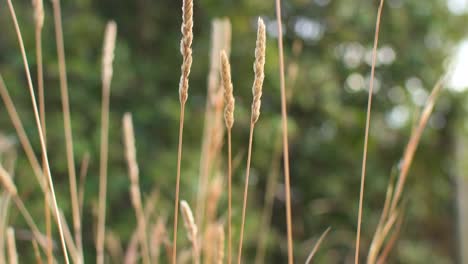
x,y
189,221
258,70
229,100
108,52
186,48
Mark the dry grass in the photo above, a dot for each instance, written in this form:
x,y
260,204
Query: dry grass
x,y
284,119
366,133
186,51
192,230
206,232
133,173
67,123
229,103
392,211
256,103
39,128
107,60
317,245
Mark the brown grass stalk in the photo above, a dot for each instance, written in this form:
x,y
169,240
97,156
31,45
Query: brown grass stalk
x,y
39,23
107,59
83,173
284,121
229,102
186,51
317,245
38,124
67,124
366,133
37,254
391,241
26,145
11,243
393,196
192,230
414,142
133,172
259,65
48,223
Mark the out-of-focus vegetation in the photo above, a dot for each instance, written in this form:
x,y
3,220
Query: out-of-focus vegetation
x,y
328,53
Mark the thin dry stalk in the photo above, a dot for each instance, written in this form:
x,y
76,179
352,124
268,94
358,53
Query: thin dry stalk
x,y
366,133
39,127
265,222
273,174
393,196
317,245
49,250
83,173
22,136
11,109
107,59
11,243
133,172
39,23
414,142
259,65
186,51
37,254
377,239
391,242
5,200
284,121
229,102
192,230
67,124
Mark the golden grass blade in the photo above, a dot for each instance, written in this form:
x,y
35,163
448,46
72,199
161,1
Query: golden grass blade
x,y
39,127
186,51
284,121
366,133
107,59
317,245
256,103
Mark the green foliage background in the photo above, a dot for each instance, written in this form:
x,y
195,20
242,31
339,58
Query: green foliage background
x,y
326,115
